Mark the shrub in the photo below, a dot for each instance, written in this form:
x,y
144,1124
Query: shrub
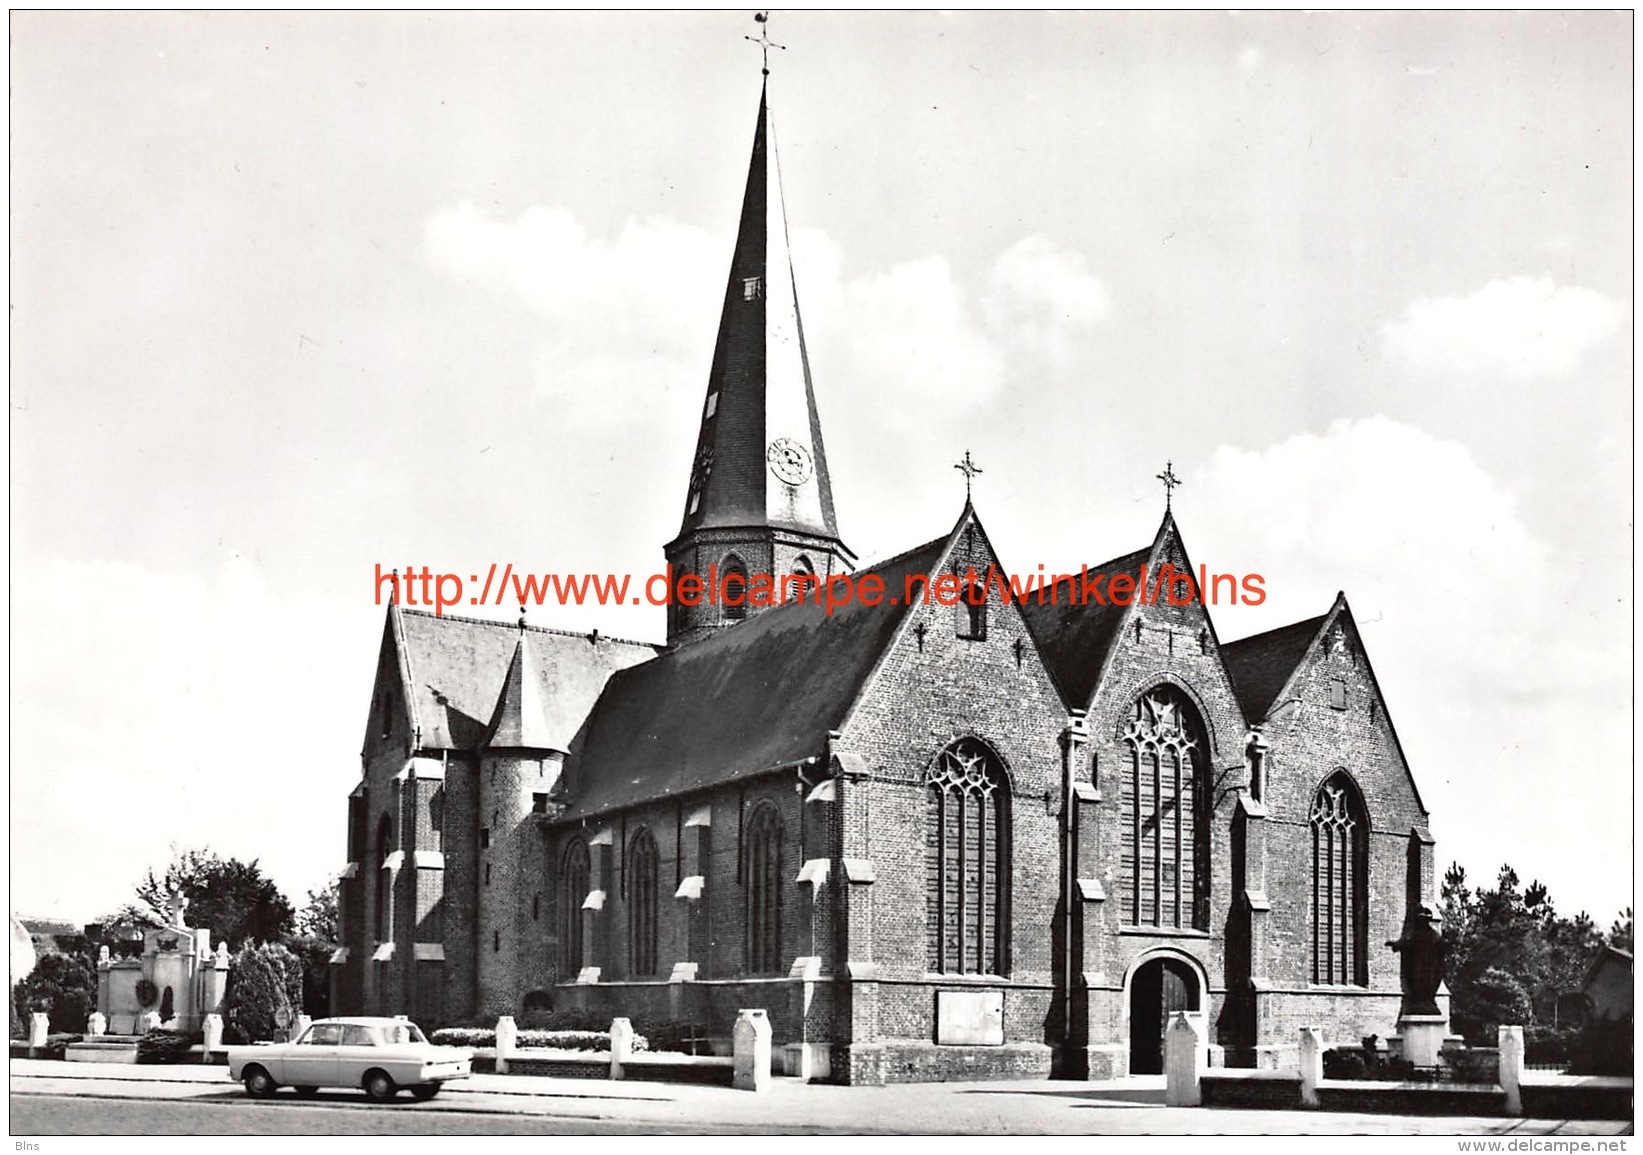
x,y
464,1037
675,1035
1603,1047
534,1039
257,992
163,1046
56,1044
1345,1063
569,1019
1495,997
61,985
1543,1044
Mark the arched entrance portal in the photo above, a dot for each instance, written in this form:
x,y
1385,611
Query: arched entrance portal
x,y
1159,988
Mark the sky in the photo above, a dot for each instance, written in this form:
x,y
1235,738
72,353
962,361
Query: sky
x,y
295,295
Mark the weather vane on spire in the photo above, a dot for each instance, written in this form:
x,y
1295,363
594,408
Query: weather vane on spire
x,y
763,40
969,469
1170,482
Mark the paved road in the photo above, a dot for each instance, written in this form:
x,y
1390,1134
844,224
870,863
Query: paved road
x,y
47,1100
234,1115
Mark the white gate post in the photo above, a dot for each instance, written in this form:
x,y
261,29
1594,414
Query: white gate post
x,y
506,1035
1183,1047
1312,1064
1510,1041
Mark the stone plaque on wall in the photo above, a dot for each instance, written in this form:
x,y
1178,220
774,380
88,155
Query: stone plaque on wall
x,y
972,1018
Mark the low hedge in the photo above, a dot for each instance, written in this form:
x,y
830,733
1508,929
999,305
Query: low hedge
x,y
163,1046
56,1044
533,1039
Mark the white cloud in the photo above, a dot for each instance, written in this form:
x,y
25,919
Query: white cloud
x,y
1508,679
152,709
1042,299
1522,326
913,329
629,315
625,317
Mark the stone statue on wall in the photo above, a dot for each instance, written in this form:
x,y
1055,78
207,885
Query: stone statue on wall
x,y
1421,961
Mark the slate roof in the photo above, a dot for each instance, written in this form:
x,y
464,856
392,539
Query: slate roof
x,y
521,720
1075,639
50,927
752,697
760,372
456,668
1261,664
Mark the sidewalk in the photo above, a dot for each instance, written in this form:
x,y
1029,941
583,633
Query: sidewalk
x,y
1036,1107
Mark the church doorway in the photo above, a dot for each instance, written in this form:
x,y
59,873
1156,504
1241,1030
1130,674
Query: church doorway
x,y
1159,988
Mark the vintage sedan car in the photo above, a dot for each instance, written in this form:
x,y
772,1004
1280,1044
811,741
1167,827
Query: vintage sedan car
x,y
376,1054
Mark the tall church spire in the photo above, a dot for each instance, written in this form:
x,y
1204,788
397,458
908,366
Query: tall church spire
x,y
759,492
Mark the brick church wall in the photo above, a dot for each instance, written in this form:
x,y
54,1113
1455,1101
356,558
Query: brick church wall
x,y
926,694
1310,740
1174,645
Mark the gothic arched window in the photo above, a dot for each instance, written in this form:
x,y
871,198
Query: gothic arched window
x,y
1165,807
1340,877
763,876
573,892
384,895
642,860
967,860
733,588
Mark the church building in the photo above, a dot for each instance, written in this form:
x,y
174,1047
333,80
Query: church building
x,y
992,838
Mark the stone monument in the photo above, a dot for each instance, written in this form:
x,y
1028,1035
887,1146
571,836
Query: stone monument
x,y
178,961
1422,1024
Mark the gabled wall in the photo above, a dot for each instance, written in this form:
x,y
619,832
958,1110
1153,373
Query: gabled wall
x,y
927,693
1156,643
1309,740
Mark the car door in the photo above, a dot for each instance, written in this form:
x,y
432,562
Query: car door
x,y
357,1054
312,1060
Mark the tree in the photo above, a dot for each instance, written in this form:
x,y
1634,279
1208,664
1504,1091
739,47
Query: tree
x,y
229,897
318,933
1510,955
318,919
61,985
1620,934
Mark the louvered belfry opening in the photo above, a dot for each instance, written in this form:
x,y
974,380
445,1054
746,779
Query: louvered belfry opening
x,y
967,866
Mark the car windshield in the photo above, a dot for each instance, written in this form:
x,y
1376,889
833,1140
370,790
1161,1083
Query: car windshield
x,y
397,1033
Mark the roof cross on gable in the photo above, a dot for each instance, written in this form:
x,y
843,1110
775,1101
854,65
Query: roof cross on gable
x,y
969,469
1170,482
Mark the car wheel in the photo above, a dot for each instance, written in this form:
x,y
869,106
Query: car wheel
x,y
426,1091
307,1092
380,1086
259,1083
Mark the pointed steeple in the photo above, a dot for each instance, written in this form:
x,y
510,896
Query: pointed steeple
x,y
759,455
519,722
759,481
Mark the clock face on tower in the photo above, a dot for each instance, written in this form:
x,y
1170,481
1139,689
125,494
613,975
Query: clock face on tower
x,y
789,461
